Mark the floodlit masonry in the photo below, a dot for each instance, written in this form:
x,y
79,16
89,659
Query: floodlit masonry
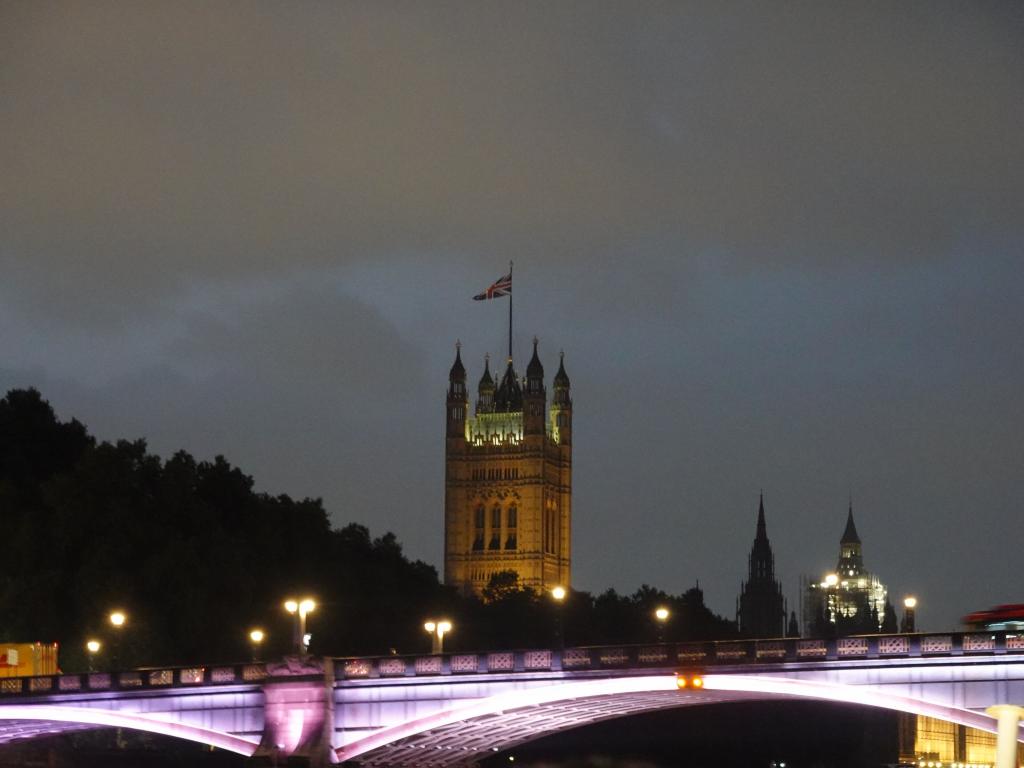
x,y
508,479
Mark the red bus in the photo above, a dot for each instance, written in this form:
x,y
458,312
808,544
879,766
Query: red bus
x,y
1002,617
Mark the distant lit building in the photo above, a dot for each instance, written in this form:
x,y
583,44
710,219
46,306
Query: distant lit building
x,y
930,740
761,608
848,601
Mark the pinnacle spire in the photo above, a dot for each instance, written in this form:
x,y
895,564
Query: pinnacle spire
x,y
458,371
561,378
534,370
850,534
762,529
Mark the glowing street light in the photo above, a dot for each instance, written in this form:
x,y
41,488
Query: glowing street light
x,y
437,630
93,647
256,637
909,606
661,616
117,621
558,594
831,580
300,609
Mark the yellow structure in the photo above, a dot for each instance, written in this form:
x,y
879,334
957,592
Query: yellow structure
x,y
27,659
925,740
508,479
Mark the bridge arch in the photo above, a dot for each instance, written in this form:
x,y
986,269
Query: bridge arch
x,y
453,736
42,719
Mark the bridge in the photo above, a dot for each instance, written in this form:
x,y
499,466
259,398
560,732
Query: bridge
x,y
456,709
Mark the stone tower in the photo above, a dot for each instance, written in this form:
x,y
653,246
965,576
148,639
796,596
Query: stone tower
x,y
761,610
508,478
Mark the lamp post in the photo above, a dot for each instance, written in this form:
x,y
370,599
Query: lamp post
x,y
117,621
92,647
909,604
300,609
256,637
661,616
437,630
558,594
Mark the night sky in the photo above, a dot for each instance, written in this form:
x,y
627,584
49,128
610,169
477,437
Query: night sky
x,y
779,243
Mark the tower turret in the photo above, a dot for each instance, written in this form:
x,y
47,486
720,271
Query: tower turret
x,y
458,400
561,406
485,390
534,397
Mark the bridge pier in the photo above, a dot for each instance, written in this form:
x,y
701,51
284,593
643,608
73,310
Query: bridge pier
x,y
1007,716
298,714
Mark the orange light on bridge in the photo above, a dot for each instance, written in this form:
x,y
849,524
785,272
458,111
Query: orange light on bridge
x,y
693,681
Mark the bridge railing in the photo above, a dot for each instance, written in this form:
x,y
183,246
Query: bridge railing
x,y
651,656
692,654
139,679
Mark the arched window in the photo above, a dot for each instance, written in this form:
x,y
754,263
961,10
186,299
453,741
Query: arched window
x,y
511,521
478,524
495,541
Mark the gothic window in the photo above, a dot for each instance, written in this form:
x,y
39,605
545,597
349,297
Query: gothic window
x,y
511,521
478,538
495,542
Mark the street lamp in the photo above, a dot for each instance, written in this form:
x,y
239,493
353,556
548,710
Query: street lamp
x,y
117,621
437,630
909,604
661,615
256,637
93,647
558,594
300,609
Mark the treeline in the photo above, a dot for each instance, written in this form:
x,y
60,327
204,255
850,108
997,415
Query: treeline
x,y
196,557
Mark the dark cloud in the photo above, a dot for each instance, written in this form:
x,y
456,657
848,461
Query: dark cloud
x,y
780,246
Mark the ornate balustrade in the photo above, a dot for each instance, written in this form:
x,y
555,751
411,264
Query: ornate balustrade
x,y
164,677
651,656
702,654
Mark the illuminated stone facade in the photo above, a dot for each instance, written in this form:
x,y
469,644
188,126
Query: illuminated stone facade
x,y
508,479
927,741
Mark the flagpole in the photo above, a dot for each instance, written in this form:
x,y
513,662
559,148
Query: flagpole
x,y
510,309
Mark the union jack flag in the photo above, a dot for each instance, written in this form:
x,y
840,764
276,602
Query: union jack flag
x,y
501,287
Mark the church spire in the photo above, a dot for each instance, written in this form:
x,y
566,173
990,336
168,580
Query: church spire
x,y
762,610
762,529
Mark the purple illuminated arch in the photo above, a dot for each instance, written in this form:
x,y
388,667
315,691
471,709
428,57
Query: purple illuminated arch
x,y
79,716
535,712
